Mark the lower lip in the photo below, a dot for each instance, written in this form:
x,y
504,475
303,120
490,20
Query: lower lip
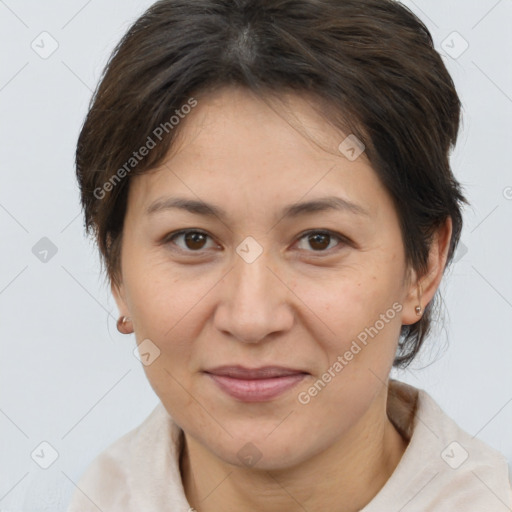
x,y
256,390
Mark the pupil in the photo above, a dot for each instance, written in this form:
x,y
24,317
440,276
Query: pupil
x,y
320,236
194,238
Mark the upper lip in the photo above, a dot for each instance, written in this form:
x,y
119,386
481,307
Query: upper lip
x,y
264,372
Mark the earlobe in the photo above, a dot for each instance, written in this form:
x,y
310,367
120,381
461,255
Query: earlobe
x,y
422,290
418,309
124,322
414,306
124,325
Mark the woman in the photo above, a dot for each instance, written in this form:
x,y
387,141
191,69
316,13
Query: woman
x,y
270,189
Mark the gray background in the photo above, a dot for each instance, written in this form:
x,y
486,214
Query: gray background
x,y
70,379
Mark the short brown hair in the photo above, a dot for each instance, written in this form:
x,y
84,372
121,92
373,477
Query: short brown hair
x,y
371,64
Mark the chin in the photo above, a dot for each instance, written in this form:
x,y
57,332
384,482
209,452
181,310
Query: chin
x,y
260,451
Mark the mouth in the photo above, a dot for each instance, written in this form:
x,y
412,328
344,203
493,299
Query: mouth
x,y
255,384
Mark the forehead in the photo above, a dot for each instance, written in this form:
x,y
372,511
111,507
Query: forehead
x,y
272,124
239,148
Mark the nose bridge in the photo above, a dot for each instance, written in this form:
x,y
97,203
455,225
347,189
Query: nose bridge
x,y
252,276
251,272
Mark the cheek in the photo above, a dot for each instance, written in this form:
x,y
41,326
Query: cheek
x,y
343,304
164,297
166,309
357,338
356,325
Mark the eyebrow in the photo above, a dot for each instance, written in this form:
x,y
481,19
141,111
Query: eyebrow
x,y
290,211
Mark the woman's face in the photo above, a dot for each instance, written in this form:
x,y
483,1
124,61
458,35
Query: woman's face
x,y
253,289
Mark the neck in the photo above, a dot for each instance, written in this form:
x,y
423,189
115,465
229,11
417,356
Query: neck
x,y
344,478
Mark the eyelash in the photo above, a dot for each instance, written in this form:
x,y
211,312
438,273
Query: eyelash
x,y
342,239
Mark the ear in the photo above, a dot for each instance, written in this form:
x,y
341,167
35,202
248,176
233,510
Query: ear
x,y
429,282
119,296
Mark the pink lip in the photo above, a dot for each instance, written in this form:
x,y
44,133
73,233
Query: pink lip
x,y
255,385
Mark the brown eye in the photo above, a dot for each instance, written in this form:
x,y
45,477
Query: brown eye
x,y
320,241
194,241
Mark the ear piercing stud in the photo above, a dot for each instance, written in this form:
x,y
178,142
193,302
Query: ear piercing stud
x,y
121,324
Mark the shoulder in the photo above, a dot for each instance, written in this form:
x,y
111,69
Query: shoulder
x,y
109,481
470,473
444,468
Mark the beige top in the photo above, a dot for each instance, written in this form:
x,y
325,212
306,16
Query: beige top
x,y
442,469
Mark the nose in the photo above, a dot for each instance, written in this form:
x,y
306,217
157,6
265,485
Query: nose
x,y
255,301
